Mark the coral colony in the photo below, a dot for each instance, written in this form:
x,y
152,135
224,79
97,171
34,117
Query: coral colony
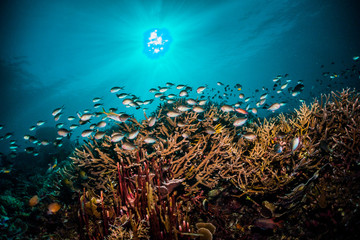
x,y
176,177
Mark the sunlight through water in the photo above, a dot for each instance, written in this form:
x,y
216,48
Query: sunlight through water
x,y
156,42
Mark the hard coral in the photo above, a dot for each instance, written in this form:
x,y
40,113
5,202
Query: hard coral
x,y
137,191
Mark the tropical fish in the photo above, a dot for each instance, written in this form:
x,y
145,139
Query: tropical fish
x,y
183,108
254,111
123,117
40,123
180,86
99,135
226,108
97,105
153,90
34,201
242,111
191,101
116,89
8,135
163,89
133,134
181,124
202,102
96,99
294,144
284,85
239,122
71,118
173,114
57,116
32,128
267,223
249,136
86,133
209,130
274,107
297,90
63,132
29,149
73,126
128,146
112,115
278,148
149,140
53,208
117,137
200,89
101,124
264,96
122,95
56,111
45,142
198,109
183,93
152,121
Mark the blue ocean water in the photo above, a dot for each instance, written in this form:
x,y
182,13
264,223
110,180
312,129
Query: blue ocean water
x,y
66,53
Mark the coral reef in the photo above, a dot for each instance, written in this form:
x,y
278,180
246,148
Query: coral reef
x,y
244,186
200,176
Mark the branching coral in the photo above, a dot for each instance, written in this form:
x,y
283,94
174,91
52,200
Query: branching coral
x,y
204,152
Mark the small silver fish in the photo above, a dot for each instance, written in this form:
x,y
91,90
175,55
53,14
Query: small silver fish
x,y
40,123
57,110
133,134
200,89
96,99
198,109
227,108
73,126
183,93
152,121
249,136
86,133
209,130
191,101
128,146
202,102
99,135
101,124
63,132
278,148
117,137
294,144
180,86
274,107
116,89
173,114
149,140
239,122
57,116
183,108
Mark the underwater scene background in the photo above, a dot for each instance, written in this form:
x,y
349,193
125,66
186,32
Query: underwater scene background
x,y
179,119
